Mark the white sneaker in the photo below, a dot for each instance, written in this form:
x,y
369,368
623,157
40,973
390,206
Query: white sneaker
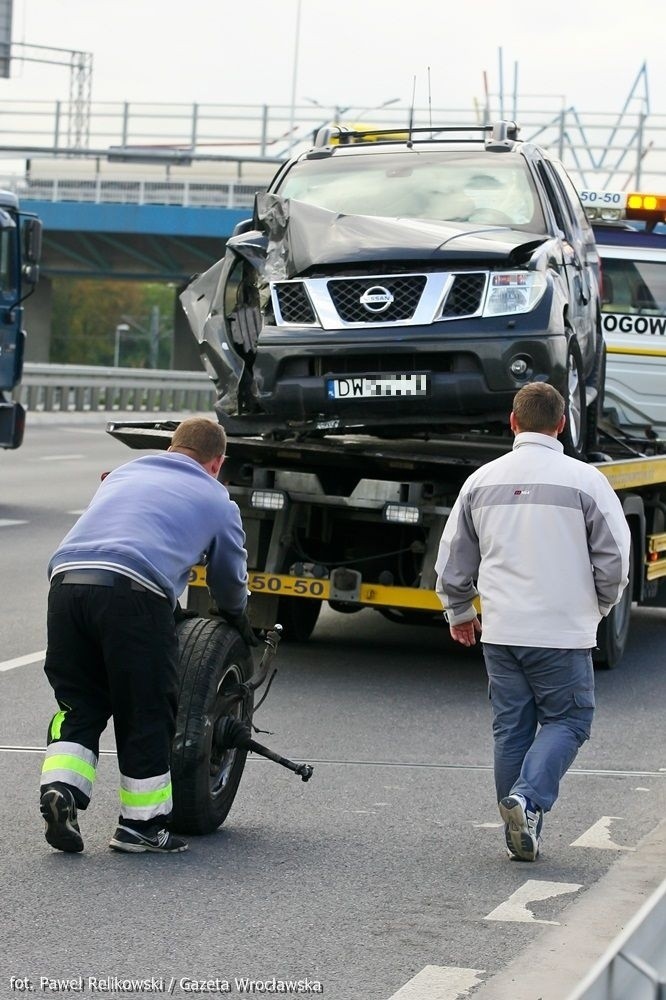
x,y
522,831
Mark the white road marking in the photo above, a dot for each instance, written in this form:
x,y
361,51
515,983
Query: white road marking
x,y
487,826
515,907
77,513
599,836
439,982
59,458
640,789
23,661
6,522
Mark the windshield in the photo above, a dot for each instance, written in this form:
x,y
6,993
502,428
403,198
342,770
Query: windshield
x,y
454,187
7,267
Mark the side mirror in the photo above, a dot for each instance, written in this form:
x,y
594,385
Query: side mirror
x,y
30,273
245,226
31,233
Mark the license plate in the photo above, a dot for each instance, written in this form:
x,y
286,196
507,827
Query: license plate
x,y
377,386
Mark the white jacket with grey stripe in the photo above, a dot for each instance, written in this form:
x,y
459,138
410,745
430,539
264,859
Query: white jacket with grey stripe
x,y
542,539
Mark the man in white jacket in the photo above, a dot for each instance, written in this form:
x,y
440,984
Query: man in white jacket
x,y
542,540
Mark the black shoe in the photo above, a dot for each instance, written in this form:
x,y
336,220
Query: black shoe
x,y
134,841
58,808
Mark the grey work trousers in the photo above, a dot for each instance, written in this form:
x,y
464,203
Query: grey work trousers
x,y
543,703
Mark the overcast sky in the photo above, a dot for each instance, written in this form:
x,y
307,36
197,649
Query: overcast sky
x,y
351,52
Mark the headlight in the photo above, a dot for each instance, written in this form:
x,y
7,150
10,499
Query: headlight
x,y
512,292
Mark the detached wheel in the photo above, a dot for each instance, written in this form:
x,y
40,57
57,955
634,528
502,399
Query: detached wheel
x,y
574,435
204,774
613,630
298,617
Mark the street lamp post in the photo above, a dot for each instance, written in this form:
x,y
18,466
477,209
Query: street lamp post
x,y
120,330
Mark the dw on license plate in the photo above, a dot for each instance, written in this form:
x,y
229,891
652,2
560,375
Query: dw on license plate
x,y
371,387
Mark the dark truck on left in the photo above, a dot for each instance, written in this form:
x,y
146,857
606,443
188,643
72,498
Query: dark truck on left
x,y
20,249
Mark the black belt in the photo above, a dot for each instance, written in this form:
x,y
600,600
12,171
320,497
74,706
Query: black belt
x,y
101,578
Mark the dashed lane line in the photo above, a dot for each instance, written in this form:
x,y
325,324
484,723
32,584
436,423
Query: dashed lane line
x,y
599,836
515,908
7,522
59,458
22,661
439,982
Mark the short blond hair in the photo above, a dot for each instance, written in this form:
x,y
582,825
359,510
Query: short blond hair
x,y
201,436
538,407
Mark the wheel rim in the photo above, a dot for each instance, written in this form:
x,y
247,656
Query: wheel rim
x,y
574,413
222,764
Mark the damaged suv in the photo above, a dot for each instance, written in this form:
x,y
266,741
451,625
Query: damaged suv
x,y
405,284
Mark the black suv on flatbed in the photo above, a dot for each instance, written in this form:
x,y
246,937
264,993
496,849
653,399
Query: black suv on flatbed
x,y
405,284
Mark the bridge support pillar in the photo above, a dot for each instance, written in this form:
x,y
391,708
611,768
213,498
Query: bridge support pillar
x,y
37,321
186,355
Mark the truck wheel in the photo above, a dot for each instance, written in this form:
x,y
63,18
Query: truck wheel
x,y
574,435
205,776
613,630
298,617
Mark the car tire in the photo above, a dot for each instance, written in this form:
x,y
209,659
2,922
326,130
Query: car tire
x,y
213,659
613,630
573,437
298,617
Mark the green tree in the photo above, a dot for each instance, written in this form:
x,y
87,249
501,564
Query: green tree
x,y
86,312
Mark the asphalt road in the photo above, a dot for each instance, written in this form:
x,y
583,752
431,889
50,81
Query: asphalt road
x,y
389,862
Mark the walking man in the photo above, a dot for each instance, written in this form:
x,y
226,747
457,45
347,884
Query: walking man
x,y
112,646
542,540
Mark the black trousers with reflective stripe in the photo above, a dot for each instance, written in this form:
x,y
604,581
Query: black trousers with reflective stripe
x,y
113,651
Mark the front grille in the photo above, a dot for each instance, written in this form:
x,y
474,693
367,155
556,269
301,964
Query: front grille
x,y
406,290
295,306
464,298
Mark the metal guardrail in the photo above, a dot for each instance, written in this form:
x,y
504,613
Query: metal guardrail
x,y
72,388
634,967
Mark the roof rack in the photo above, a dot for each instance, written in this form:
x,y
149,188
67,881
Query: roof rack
x,y
497,136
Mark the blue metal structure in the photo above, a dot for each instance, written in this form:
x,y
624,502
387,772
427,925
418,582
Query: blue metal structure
x,y
143,242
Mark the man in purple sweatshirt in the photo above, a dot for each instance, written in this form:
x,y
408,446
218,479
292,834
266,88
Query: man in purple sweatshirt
x,y
112,647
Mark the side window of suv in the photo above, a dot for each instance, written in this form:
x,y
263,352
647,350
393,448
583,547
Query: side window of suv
x,y
572,195
562,218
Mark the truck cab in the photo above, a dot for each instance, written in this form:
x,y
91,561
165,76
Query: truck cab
x,y
630,231
20,248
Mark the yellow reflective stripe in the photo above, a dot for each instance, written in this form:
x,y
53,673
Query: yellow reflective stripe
x,y
56,725
65,762
140,799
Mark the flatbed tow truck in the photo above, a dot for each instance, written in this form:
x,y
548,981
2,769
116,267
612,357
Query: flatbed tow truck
x,y
355,521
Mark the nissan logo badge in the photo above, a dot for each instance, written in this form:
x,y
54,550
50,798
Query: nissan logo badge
x,y
376,299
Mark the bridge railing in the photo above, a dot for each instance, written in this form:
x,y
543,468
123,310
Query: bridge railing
x,y
70,388
128,192
599,149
